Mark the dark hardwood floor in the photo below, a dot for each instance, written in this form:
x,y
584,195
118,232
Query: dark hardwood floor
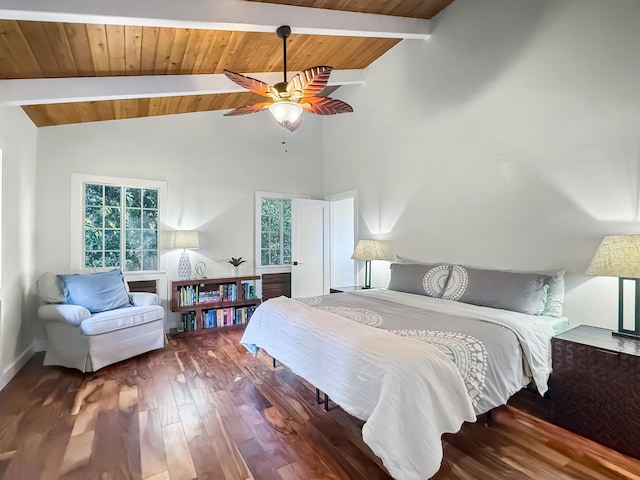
x,y
204,408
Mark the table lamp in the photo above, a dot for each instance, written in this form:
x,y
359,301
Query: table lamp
x,y
619,256
368,250
185,239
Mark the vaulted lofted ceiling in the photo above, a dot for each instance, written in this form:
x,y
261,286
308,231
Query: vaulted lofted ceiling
x,y
43,43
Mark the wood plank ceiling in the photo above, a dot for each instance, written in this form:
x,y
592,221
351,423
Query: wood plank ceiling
x,y
399,8
58,50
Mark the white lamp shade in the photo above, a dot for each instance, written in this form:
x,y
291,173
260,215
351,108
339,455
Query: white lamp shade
x,y
185,239
617,256
285,111
369,250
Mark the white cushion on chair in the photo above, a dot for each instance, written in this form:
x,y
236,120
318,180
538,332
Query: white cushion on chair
x,y
49,289
121,318
56,312
144,299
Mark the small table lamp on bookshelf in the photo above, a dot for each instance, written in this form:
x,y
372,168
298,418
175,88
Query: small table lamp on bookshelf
x,y
619,256
368,250
185,239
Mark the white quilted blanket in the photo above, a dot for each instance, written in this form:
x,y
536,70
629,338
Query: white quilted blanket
x,y
408,392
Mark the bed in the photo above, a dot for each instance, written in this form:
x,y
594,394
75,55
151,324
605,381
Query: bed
x,y
411,366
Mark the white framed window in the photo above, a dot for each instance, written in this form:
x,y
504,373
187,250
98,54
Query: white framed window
x,y
273,228
115,222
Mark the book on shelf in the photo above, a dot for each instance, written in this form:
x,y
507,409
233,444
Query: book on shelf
x,y
221,317
225,292
209,319
209,296
189,323
228,292
226,317
249,289
187,295
243,314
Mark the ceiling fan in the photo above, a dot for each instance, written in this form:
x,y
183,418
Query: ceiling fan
x,y
289,99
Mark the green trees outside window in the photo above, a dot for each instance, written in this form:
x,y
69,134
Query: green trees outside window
x,y
275,231
120,227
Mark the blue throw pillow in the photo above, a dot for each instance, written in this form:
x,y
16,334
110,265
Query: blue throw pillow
x,y
97,292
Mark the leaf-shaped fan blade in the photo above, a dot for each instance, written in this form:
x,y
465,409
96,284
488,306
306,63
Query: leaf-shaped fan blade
x,y
252,84
310,82
256,107
292,126
325,105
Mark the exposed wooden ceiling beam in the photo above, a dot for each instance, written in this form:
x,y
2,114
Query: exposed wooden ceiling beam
x,y
239,15
39,91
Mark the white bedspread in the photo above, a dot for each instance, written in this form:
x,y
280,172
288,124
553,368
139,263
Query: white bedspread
x,y
533,333
408,392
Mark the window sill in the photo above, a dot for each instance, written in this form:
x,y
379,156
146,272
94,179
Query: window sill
x,y
274,269
139,273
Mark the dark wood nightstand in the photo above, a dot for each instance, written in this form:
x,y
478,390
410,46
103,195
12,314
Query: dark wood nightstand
x,y
352,288
596,387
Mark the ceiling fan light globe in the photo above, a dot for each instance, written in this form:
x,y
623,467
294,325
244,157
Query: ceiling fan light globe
x,y
284,111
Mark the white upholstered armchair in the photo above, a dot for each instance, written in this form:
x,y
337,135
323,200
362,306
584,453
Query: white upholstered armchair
x,y
78,338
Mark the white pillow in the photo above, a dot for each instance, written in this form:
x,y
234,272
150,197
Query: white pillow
x,y
555,295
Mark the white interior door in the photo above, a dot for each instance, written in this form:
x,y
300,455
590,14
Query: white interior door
x,y
310,243
343,235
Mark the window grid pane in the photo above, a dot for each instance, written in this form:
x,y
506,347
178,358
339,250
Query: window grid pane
x,y
94,194
113,196
114,218
149,260
275,234
281,232
93,259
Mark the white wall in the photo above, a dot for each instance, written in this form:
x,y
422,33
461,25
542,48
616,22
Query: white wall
x,y
17,302
213,166
509,139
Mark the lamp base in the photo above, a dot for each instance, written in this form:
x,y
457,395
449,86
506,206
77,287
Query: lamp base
x,y
631,335
184,266
635,299
367,274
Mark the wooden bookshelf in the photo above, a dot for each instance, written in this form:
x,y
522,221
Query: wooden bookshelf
x,y
228,295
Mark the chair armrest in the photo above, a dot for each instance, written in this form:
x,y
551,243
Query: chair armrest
x,y
144,299
73,314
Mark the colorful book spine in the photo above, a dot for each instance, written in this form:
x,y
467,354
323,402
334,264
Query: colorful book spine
x,y
249,290
188,295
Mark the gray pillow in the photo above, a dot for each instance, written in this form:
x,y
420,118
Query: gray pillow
x,y
422,279
518,292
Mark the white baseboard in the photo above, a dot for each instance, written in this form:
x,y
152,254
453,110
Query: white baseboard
x,y
39,345
23,358
169,326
